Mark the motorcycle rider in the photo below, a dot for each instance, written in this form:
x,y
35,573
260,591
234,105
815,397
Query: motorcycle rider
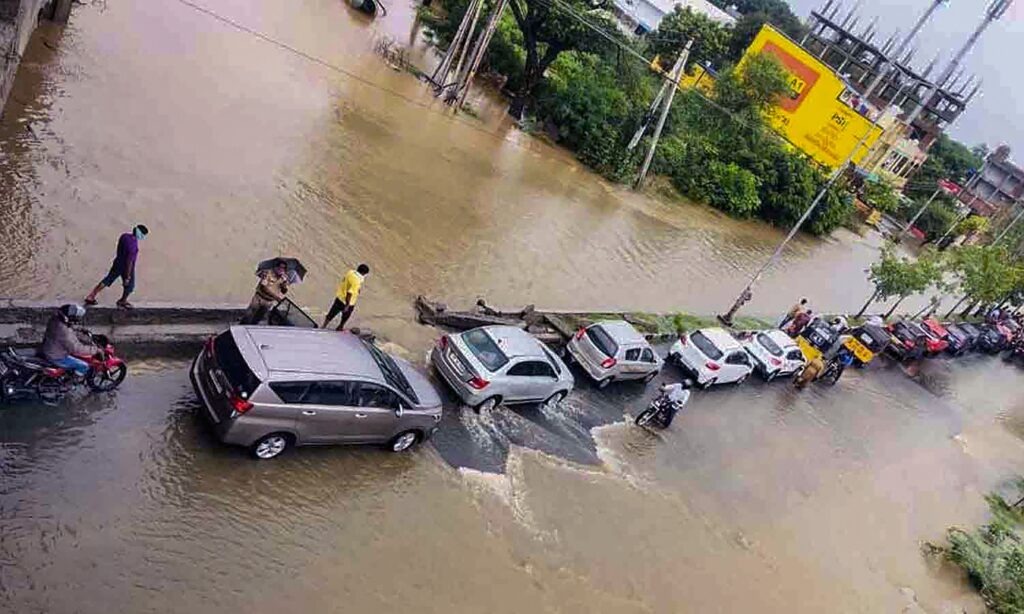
x,y
60,342
672,398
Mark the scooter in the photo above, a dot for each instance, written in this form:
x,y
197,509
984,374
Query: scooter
x,y
24,373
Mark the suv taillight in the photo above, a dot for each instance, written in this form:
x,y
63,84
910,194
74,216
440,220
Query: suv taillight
x,y
478,383
579,334
608,363
442,342
239,404
776,362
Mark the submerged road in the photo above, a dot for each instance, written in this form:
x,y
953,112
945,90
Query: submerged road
x,y
817,500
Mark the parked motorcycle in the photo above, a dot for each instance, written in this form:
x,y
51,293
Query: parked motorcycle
x,y
23,373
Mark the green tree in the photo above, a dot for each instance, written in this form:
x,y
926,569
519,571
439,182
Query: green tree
x,y
972,225
901,277
710,38
881,195
985,274
744,33
548,30
947,159
778,13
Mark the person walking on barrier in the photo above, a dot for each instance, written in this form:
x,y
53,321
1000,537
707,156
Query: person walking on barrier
x,y
123,267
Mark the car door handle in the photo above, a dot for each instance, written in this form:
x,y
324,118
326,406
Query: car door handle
x,y
360,415
309,412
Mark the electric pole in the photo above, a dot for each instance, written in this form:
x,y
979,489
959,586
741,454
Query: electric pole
x,y
677,72
910,224
748,291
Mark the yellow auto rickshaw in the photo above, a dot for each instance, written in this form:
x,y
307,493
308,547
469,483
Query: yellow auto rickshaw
x,y
865,342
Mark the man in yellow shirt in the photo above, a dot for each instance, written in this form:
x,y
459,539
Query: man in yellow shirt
x,y
347,294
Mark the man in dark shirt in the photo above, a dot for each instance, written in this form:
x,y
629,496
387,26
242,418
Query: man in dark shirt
x,y
123,267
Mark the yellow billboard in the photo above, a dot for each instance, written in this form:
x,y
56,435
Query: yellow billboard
x,y
813,116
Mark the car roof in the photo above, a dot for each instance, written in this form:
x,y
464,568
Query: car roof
x,y
722,339
780,338
312,350
516,342
621,331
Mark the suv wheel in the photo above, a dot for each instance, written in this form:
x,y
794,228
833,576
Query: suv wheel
x,y
271,446
488,405
403,441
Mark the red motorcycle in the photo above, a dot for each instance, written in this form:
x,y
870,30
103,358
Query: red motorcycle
x,y
25,373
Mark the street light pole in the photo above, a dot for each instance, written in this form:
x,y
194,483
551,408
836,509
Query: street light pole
x,y
748,290
920,211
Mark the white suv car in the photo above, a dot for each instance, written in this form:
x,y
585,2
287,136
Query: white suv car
x,y
775,354
712,356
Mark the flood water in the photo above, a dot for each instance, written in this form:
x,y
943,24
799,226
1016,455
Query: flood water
x,y
232,149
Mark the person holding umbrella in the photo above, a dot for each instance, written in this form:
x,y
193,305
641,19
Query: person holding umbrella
x,y
271,289
347,294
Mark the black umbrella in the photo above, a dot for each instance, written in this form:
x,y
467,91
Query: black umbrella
x,y
296,272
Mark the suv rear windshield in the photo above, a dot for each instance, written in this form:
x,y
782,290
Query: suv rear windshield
x,y
603,341
704,345
769,345
485,349
230,361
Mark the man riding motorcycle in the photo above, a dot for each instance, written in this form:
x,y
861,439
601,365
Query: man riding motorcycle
x,y
671,398
60,342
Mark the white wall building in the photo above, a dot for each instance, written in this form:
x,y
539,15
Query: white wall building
x,y
645,15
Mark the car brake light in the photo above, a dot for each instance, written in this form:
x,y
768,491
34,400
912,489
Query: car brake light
x,y
442,342
908,344
776,362
608,363
579,334
712,365
682,339
209,346
239,404
478,383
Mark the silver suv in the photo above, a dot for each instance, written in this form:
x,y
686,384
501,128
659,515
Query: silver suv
x,y
269,388
613,350
492,365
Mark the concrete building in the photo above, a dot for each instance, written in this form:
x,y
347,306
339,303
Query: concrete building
x,y
998,188
642,16
18,20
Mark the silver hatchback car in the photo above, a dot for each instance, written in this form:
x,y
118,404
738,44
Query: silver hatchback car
x,y
269,388
492,365
613,350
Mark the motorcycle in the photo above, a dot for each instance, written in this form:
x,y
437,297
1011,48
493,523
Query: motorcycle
x,y
835,367
24,373
661,412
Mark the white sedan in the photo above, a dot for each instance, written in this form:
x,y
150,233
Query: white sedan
x,y
712,356
775,354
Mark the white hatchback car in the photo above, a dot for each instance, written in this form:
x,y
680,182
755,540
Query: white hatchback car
x,y
712,356
775,354
613,350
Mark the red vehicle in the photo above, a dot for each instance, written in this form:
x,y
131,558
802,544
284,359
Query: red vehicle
x,y
936,333
24,373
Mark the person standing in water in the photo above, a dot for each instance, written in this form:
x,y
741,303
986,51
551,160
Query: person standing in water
x,y
123,267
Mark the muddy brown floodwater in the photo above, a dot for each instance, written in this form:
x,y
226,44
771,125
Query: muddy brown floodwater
x,y
232,149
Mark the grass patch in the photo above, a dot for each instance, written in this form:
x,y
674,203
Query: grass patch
x,y
992,555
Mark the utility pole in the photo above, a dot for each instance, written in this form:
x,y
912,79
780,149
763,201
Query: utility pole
x,y
1009,226
459,47
677,72
973,183
906,228
748,291
462,87
886,64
